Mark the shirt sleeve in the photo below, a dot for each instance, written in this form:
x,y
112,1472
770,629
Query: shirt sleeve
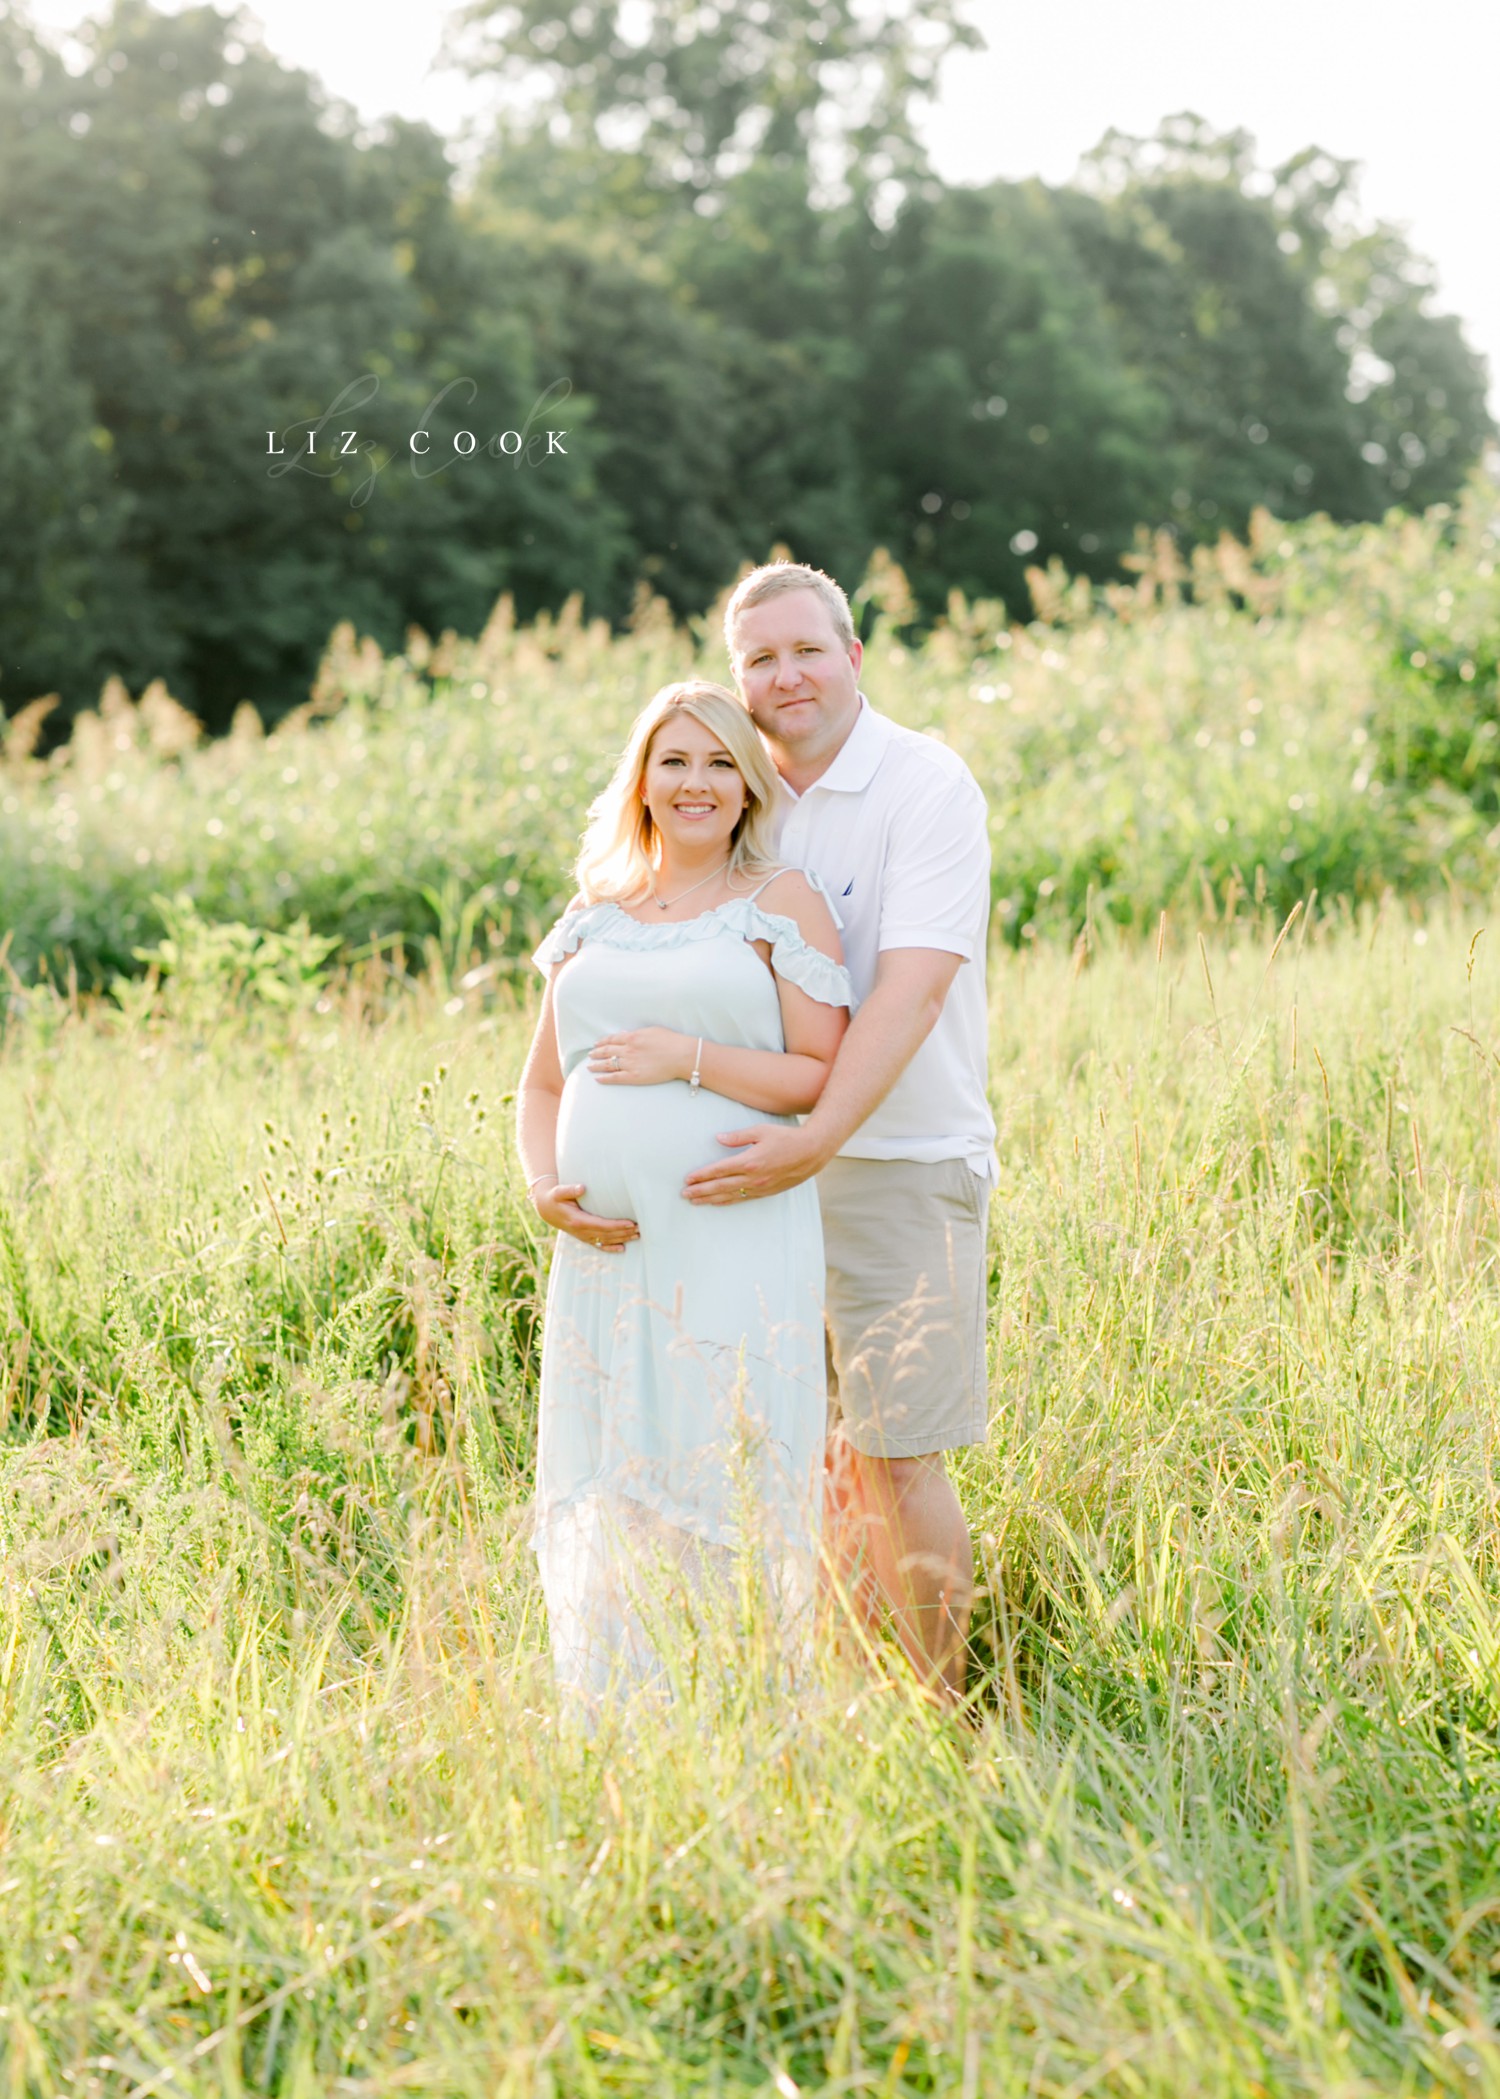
x,y
935,889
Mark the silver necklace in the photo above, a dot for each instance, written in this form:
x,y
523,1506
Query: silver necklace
x,y
671,900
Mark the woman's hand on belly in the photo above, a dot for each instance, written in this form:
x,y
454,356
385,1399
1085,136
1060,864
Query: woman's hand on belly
x,y
642,1057
561,1206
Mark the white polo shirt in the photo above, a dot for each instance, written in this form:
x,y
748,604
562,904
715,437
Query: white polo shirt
x,y
896,832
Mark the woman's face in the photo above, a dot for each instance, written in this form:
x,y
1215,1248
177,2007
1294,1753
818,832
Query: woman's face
x,y
692,786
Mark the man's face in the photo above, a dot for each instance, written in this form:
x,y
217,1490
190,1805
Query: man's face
x,y
799,681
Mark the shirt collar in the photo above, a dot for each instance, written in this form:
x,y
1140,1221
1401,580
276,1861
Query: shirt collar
x,y
858,757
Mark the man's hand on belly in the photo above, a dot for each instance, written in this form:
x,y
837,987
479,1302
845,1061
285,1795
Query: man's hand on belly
x,y
765,1160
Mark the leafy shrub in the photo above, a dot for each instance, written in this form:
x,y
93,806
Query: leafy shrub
x,y
204,966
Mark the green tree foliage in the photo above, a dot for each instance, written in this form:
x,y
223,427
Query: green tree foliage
x,y
708,249
63,518
996,414
944,386
691,94
205,253
608,318
1298,362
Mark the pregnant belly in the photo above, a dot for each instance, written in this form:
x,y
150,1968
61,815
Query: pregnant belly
x,y
631,1146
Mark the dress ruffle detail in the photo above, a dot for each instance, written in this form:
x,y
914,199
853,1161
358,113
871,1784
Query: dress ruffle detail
x,y
791,956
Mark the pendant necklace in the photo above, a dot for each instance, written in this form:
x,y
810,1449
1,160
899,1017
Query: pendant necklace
x,y
671,900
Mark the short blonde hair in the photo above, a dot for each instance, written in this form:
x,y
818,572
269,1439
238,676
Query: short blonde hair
x,y
620,848
779,576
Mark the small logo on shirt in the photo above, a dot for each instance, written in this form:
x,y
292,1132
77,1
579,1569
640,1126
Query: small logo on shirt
x,y
847,892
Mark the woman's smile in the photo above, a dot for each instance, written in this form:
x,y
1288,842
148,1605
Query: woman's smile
x,y
691,783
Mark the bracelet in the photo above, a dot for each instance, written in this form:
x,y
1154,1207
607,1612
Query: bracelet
x,y
697,1074
539,1177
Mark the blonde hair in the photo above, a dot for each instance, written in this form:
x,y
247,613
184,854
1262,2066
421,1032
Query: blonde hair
x,y
620,848
779,576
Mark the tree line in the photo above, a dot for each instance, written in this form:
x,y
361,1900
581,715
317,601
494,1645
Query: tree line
x,y
700,295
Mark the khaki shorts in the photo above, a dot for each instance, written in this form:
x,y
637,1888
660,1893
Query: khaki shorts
x,y
907,1274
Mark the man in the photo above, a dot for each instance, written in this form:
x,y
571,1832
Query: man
x,y
902,1138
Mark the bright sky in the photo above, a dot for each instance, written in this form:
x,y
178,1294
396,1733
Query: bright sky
x,y
1409,92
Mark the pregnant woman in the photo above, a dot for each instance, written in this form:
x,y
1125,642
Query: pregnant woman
x,y
682,1394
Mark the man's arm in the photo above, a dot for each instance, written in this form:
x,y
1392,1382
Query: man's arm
x,y
911,984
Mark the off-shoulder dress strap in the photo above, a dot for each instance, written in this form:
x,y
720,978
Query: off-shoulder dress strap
x,y
751,895
813,882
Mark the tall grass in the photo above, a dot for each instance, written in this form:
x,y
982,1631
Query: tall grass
x,y
1317,710
285,1804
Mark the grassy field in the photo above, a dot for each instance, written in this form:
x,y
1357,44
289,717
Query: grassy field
x,y
284,1805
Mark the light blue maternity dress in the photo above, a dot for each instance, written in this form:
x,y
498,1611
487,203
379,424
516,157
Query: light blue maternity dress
x,y
682,1389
